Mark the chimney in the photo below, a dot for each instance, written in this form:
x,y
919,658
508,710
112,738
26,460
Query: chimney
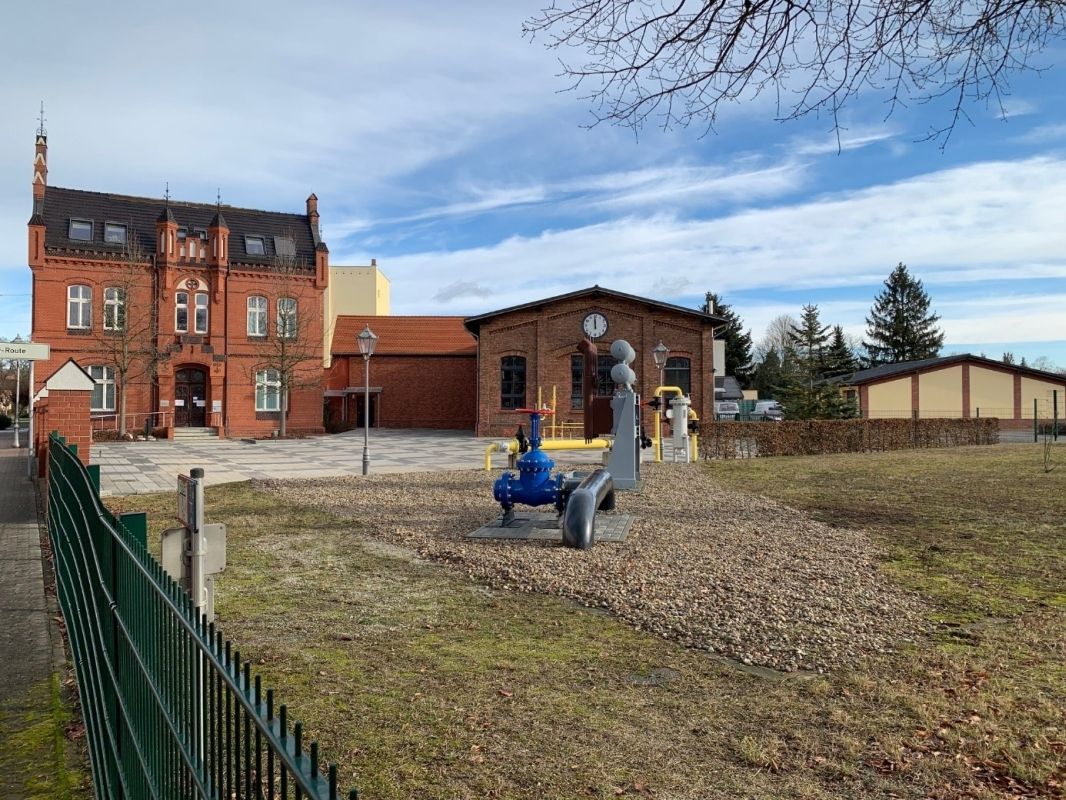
x,y
312,214
374,263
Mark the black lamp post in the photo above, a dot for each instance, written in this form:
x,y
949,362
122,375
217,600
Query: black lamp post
x,y
660,353
367,341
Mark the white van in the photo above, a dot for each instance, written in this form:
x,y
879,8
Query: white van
x,y
726,409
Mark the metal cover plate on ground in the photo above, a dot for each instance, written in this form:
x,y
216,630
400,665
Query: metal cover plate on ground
x,y
545,528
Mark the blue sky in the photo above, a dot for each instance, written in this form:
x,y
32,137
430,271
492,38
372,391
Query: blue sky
x,y
441,142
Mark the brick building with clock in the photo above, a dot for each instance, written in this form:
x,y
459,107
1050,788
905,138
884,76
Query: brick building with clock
x,y
531,349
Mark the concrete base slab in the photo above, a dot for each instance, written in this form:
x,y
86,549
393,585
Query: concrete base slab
x,y
546,528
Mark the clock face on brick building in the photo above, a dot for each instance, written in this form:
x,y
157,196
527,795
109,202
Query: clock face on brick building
x,y
594,325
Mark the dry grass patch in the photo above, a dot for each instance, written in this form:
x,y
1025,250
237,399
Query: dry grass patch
x,y
423,683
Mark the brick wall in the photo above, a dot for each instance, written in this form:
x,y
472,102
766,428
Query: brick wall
x,y
419,391
67,412
548,335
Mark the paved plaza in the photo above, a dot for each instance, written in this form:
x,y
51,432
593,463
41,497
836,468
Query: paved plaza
x,y
139,467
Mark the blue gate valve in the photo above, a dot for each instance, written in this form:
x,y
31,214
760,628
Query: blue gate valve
x,y
534,484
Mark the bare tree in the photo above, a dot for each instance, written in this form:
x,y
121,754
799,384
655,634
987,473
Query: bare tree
x,y
126,342
676,61
777,337
288,355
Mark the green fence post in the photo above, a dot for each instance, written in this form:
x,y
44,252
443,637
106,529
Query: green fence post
x,y
1036,423
94,476
136,522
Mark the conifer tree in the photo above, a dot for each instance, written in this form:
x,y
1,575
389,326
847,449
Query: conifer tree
x,y
805,393
808,340
900,326
737,341
839,360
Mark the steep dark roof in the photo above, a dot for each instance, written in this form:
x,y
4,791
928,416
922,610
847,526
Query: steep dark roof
x,y
727,387
473,324
905,367
140,214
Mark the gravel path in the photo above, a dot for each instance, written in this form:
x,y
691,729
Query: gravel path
x,y
732,573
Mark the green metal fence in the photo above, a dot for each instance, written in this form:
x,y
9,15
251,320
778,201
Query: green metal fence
x,y
170,709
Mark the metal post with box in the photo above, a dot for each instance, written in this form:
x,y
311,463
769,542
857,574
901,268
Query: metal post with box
x,y
194,553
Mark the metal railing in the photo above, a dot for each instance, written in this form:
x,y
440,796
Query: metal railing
x,y
170,710
134,421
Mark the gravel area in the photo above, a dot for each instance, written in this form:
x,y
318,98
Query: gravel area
x,y
734,574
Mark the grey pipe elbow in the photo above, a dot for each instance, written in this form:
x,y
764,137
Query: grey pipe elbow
x,y
579,519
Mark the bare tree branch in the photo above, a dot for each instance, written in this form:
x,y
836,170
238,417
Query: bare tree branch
x,y
674,63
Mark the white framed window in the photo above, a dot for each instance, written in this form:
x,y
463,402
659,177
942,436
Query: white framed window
x,y
268,390
181,312
201,312
103,395
79,307
114,232
287,318
114,309
257,316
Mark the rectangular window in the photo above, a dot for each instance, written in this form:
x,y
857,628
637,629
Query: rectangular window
x,y
114,309
253,246
604,384
678,373
103,394
513,382
201,312
181,312
267,390
79,307
257,316
114,233
286,318
81,230
284,246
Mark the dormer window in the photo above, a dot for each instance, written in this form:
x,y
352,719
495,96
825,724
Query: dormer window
x,y
284,246
201,233
81,230
182,233
114,233
253,246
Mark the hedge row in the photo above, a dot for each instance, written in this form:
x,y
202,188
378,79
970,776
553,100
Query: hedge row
x,y
814,437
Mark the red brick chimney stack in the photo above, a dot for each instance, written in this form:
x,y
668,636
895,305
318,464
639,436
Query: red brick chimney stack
x,y
312,213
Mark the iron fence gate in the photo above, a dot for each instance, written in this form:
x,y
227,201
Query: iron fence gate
x,y
170,709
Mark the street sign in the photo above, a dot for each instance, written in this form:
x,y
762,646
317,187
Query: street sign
x,y
25,351
186,501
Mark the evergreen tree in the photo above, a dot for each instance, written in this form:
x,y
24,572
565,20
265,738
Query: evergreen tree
x,y
737,341
839,359
900,326
1008,357
808,340
805,392
768,375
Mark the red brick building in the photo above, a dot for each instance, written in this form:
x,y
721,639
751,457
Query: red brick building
x,y
423,373
193,315
531,349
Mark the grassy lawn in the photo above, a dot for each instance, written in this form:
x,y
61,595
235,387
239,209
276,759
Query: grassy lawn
x,y
423,684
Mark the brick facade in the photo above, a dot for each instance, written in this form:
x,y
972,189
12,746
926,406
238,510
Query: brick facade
x,y
547,333
203,252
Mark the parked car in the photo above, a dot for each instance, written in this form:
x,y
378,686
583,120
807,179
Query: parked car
x,y
726,409
768,410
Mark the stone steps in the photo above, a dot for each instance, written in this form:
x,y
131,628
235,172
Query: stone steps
x,y
195,434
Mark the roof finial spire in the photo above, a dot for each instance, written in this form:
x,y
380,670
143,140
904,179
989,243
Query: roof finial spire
x,y
218,198
41,130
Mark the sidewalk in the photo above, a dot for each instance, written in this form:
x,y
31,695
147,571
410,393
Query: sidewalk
x,y
33,759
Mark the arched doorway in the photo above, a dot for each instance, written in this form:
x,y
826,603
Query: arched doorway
x,y
190,398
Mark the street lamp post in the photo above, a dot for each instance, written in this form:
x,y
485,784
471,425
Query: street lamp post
x,y
367,341
18,391
660,353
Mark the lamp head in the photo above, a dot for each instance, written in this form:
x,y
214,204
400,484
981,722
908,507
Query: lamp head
x,y
660,353
367,340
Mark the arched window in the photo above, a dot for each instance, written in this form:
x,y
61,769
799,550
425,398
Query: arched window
x,y
181,312
114,309
257,316
79,307
287,318
604,384
201,312
678,373
513,382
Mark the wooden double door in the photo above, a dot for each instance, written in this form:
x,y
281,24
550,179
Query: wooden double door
x,y
190,398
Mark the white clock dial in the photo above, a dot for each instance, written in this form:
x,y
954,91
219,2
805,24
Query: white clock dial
x,y
594,325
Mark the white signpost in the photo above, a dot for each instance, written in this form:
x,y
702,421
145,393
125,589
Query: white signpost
x,y
26,351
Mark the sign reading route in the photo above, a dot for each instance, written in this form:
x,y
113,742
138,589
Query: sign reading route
x,y
24,351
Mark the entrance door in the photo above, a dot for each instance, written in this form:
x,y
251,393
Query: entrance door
x,y
190,398
359,404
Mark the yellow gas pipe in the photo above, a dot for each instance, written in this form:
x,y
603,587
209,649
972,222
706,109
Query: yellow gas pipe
x,y
511,447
